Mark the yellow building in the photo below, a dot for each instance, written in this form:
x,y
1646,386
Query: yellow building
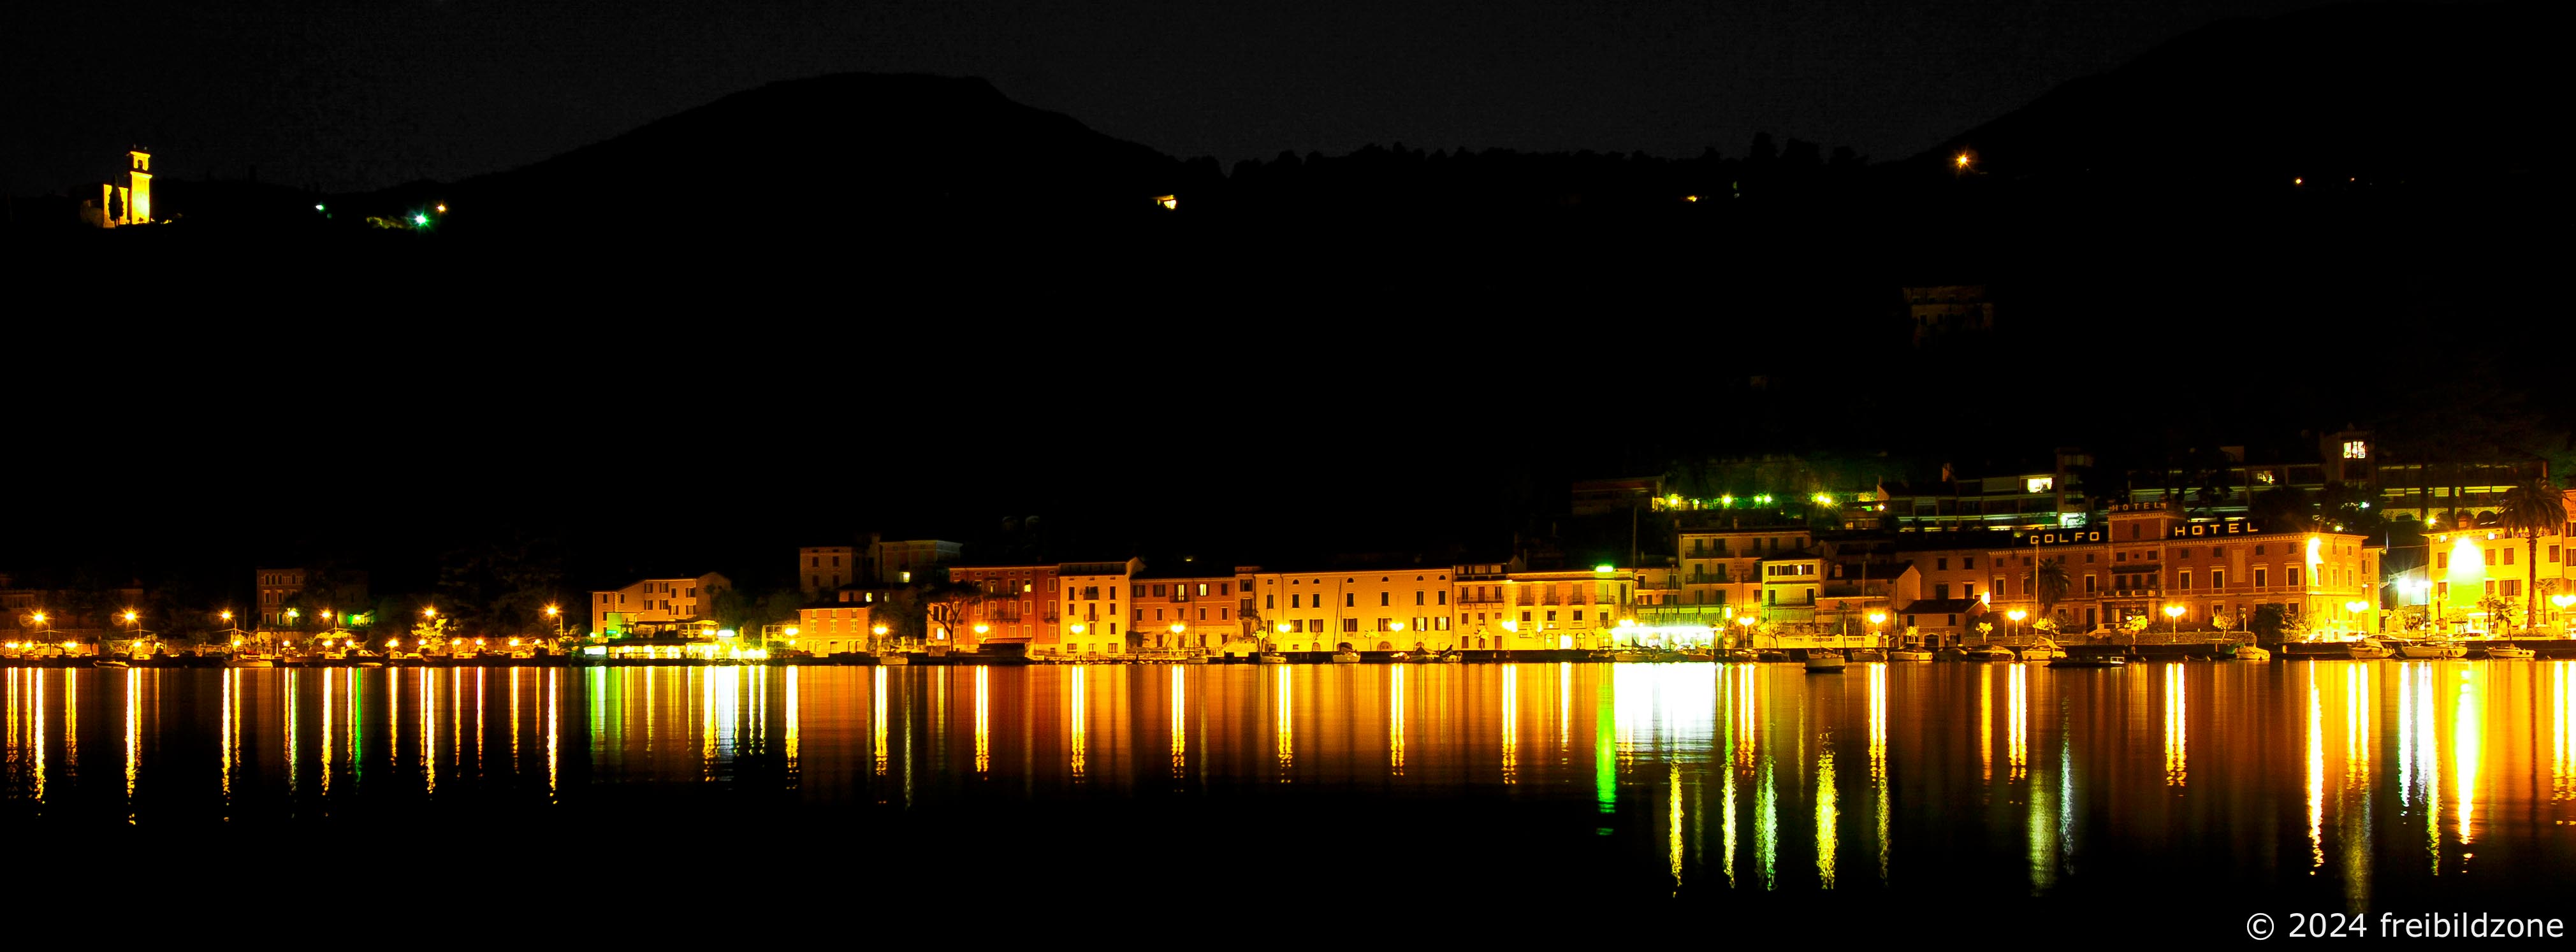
x,y
1184,610
656,604
1552,610
1364,610
1092,595
1721,569
2482,570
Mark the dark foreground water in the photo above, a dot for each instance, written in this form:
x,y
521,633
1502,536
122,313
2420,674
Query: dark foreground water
x,y
2176,799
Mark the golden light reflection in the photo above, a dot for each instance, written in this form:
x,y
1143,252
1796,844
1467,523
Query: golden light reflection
x,y
2562,760
1282,721
1826,812
792,715
2425,759
37,740
393,723
553,708
1394,721
1076,742
1986,720
1878,758
2356,725
2316,776
514,719
429,729
1746,713
1511,723
2177,728
984,720
706,722
1180,728
71,719
230,676
2018,722
286,728
133,736
878,721
326,732
1564,707
2468,743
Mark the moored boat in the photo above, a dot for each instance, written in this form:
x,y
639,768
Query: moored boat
x,y
2250,653
2509,652
249,661
1346,657
1867,655
2090,660
1909,654
1273,657
1824,662
2431,650
2368,648
2043,651
1988,653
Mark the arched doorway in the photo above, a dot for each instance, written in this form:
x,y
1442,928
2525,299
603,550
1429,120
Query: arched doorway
x,y
1344,646
1386,646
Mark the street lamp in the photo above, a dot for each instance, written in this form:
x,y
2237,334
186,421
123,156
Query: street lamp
x,y
2562,601
880,632
2173,616
556,612
1875,620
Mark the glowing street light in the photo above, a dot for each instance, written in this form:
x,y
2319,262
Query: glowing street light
x,y
430,612
1962,161
2173,616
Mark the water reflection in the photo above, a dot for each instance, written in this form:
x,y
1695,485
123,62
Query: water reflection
x,y
1650,755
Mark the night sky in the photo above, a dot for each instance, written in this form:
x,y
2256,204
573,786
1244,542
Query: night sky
x,y
362,96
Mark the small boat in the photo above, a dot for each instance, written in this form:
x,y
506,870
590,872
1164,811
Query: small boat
x,y
893,657
1699,656
1989,653
2509,652
1951,654
1866,655
2042,651
2367,649
249,661
1273,657
1774,656
1450,657
1346,657
110,662
1909,654
1824,662
1740,655
2431,650
2250,653
2089,661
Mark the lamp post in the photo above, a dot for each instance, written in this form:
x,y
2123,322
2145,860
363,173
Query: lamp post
x,y
1177,629
2173,617
1877,636
136,622
556,612
880,631
1283,629
2563,601
2017,615
2356,607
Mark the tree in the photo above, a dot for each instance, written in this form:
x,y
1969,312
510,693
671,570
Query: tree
x,y
2052,584
2533,508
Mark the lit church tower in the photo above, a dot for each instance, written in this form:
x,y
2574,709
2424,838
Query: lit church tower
x,y
138,207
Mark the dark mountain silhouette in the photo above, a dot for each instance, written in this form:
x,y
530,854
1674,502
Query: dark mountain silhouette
x,y
2378,92
840,152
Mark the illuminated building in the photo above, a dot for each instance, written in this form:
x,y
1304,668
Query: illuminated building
x,y
1502,609
1092,594
2030,497
1722,569
2482,567
1016,603
275,588
63,615
1203,605
1364,610
831,628
127,204
657,606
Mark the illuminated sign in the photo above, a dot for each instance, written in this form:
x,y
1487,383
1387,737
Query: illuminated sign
x,y
2040,484
2070,537
2231,527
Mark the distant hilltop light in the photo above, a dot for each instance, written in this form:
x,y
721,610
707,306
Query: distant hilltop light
x,y
1167,201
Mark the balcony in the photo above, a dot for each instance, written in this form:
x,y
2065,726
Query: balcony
x,y
1718,578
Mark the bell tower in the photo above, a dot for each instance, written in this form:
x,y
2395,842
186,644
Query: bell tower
x,y
138,206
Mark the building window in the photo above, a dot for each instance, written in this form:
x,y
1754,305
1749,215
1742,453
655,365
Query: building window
x,y
1350,600
2218,578
1967,561
2258,578
2290,574
1382,599
2182,581
2088,584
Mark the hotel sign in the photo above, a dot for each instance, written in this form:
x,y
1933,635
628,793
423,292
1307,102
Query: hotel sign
x,y
2187,530
2232,527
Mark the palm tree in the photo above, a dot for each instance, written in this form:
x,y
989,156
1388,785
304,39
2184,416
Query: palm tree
x,y
2052,584
2533,508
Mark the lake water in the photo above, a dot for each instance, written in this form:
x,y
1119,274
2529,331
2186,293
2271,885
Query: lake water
x,y
2206,791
